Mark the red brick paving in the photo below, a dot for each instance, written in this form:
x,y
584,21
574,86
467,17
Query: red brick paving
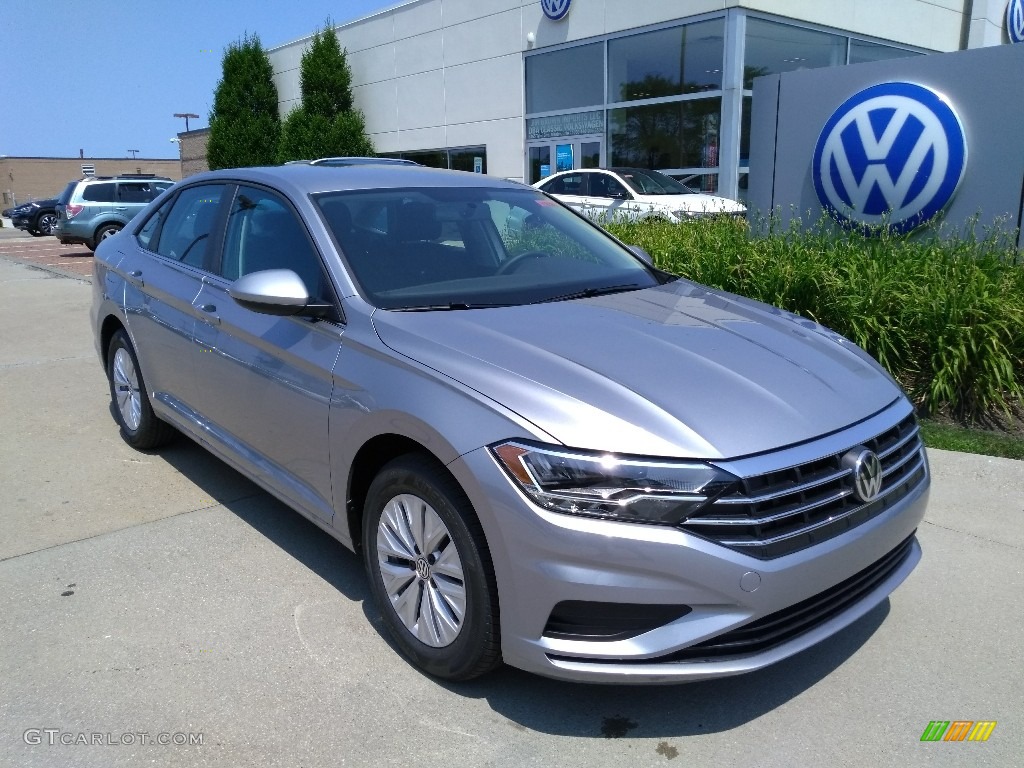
x,y
47,252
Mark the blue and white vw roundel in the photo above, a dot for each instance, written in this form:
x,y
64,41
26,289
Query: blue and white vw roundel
x,y
1015,21
892,155
555,9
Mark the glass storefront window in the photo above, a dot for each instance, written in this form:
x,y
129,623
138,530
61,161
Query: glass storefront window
x,y
668,62
862,51
745,132
472,159
773,48
681,134
540,163
590,154
434,158
565,79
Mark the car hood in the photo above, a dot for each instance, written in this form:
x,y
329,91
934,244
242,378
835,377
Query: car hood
x,y
675,370
697,202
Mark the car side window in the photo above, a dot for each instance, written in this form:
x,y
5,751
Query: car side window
x,y
603,185
134,192
569,184
185,235
99,193
149,230
263,232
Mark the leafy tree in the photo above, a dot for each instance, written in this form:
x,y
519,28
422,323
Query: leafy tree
x,y
244,123
327,123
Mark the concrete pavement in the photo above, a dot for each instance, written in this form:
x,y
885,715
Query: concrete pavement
x,y
143,594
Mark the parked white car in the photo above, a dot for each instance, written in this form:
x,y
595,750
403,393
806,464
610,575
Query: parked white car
x,y
634,193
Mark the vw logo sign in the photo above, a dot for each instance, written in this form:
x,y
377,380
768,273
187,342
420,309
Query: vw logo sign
x,y
893,155
555,9
867,473
1015,21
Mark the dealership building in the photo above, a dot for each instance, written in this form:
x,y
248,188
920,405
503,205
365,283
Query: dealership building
x,y
522,88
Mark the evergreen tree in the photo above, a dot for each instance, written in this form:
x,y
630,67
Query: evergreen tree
x,y
245,127
326,124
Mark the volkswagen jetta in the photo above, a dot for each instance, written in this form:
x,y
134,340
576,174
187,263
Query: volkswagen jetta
x,y
546,450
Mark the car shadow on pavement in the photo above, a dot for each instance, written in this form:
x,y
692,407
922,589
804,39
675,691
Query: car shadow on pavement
x,y
530,701
289,530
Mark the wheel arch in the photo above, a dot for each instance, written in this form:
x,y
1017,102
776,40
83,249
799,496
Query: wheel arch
x,y
111,325
371,457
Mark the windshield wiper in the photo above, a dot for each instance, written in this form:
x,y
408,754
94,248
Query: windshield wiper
x,y
450,306
589,293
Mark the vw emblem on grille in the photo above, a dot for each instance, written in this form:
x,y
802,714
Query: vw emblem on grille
x,y
422,568
867,473
555,9
892,154
1015,21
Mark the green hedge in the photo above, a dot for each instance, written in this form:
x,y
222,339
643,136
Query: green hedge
x,y
945,315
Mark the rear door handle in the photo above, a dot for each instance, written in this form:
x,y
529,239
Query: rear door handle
x,y
210,310
135,278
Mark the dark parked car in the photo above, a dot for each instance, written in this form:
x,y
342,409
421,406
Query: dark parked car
x,y
546,450
37,217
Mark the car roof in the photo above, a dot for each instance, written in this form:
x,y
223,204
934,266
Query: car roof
x,y
302,179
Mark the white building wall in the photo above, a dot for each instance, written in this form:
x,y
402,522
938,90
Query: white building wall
x,y
431,74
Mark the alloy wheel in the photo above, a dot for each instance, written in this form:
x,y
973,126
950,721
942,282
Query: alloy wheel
x,y
421,570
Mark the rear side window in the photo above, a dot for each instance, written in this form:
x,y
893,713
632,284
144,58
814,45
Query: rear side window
x,y
185,235
570,184
65,196
99,193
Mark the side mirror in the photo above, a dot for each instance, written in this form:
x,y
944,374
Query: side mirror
x,y
276,292
641,254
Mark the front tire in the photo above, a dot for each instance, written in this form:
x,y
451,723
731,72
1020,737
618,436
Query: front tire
x,y
45,224
430,570
140,427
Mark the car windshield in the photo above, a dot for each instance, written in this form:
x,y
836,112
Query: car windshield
x,y
653,182
464,248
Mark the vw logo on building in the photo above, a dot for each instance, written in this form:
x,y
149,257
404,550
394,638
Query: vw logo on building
x,y
1015,21
555,9
893,154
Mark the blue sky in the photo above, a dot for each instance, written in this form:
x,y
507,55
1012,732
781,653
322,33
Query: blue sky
x,y
106,76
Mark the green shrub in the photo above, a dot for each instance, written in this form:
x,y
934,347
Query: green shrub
x,y
944,313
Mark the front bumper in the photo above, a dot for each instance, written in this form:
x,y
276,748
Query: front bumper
x,y
543,559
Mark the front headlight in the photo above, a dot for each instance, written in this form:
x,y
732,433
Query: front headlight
x,y
604,485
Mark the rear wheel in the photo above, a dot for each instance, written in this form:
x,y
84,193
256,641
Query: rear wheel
x,y
430,570
107,230
140,427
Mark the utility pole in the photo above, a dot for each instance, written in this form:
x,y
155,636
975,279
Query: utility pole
x,y
134,152
186,115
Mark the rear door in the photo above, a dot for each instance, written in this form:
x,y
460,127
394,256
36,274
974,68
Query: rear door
x,y
571,189
163,268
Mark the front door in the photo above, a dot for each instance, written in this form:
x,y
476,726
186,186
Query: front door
x,y
549,156
266,381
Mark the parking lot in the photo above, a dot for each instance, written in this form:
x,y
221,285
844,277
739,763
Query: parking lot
x,y
152,595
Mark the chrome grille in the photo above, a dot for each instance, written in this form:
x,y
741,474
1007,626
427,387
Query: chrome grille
x,y
784,511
